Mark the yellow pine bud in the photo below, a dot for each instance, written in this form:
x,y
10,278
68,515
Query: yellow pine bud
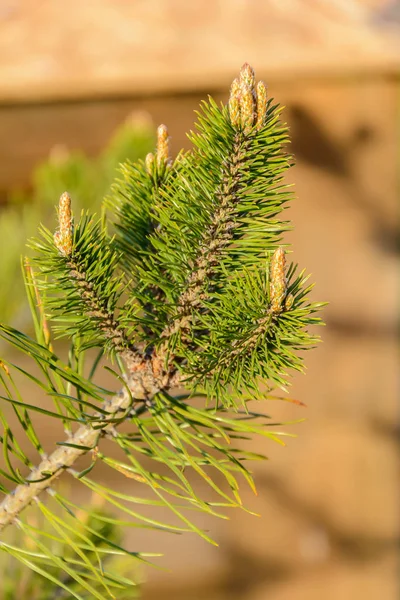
x,y
277,280
63,236
163,155
248,76
289,301
234,103
246,107
261,102
149,162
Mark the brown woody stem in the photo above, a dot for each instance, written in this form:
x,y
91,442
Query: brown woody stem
x,y
146,378
87,437
106,320
51,467
218,235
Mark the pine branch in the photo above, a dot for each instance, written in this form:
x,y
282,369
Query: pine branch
x,y
85,263
145,380
215,239
194,291
230,175
84,440
134,197
97,309
142,385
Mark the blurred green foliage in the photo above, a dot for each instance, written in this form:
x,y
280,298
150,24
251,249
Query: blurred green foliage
x,y
86,179
21,582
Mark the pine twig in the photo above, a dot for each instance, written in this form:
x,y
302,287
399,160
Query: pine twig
x,y
146,378
216,238
84,440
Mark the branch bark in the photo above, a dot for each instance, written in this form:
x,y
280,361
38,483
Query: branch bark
x,y
218,235
62,458
142,386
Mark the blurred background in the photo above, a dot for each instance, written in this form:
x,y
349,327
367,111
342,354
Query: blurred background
x,y
83,85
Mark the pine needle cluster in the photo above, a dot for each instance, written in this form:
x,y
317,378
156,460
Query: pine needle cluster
x,y
87,179
186,289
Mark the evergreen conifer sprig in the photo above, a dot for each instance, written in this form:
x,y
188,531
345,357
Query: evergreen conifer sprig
x,y
190,291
